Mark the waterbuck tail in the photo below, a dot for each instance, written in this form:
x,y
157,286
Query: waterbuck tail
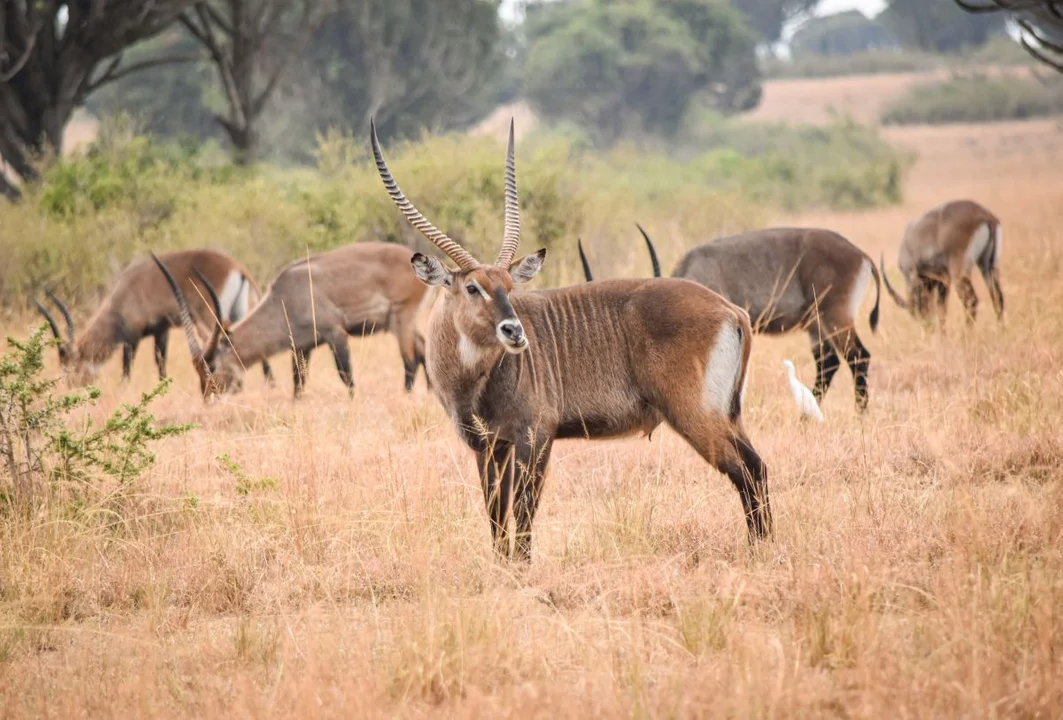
x,y
901,302
873,319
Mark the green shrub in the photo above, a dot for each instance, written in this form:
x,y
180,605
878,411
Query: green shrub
x,y
45,452
93,214
976,98
859,63
999,51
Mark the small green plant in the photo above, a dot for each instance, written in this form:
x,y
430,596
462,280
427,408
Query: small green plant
x,y
44,449
245,484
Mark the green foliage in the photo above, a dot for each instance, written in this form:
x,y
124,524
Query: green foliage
x,y
413,64
998,51
714,178
767,17
630,68
124,168
936,26
45,451
843,165
842,33
245,484
976,98
176,101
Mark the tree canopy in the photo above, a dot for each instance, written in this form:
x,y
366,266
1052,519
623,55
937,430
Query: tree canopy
x,y
1041,22
636,67
938,26
52,56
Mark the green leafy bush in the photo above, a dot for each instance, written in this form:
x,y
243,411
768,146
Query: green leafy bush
x,y
45,452
976,98
999,52
130,196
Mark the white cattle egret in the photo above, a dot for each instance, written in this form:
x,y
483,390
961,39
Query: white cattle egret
x,y
806,401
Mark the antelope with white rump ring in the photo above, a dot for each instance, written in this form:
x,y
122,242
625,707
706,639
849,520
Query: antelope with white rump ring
x,y
792,279
139,306
516,370
940,250
355,290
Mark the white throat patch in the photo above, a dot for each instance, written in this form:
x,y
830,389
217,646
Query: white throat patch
x,y
470,354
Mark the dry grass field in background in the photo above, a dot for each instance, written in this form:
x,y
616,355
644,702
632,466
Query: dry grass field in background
x,y
917,569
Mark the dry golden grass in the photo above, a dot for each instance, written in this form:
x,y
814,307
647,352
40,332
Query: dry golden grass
x,y
917,571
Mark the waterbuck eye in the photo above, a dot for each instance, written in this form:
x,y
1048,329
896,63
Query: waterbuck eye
x,y
472,290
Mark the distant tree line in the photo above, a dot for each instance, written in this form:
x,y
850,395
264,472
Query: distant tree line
x,y
265,76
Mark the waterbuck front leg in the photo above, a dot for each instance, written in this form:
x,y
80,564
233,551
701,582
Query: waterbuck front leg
x,y
129,351
495,463
532,457
267,372
341,353
418,360
162,339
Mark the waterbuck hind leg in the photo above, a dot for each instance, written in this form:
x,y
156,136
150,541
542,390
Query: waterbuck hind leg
x,y
532,457
827,363
162,338
495,464
992,283
724,445
341,353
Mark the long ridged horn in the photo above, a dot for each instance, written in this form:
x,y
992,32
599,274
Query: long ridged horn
x,y
511,236
901,302
186,316
583,259
48,316
455,252
66,315
653,252
216,335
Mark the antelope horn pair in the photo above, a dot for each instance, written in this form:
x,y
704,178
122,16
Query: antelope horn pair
x,y
51,321
186,315
461,256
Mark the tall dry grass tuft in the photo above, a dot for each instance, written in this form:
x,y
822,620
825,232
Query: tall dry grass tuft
x,y
331,557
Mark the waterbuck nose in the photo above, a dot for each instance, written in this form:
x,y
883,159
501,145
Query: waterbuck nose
x,y
511,330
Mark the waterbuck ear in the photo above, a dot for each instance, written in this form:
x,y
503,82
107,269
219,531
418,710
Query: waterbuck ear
x,y
527,267
430,271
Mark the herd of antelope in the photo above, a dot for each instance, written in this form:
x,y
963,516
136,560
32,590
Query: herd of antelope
x,y
517,369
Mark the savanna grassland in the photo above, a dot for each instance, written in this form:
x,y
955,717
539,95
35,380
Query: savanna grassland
x,y
330,557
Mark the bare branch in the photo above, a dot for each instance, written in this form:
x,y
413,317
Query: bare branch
x,y
136,67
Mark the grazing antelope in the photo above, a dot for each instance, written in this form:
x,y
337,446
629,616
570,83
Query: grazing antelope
x,y
354,290
940,249
139,306
516,370
793,279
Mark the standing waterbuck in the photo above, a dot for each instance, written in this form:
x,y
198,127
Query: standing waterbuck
x,y
354,290
939,250
516,370
792,279
139,306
